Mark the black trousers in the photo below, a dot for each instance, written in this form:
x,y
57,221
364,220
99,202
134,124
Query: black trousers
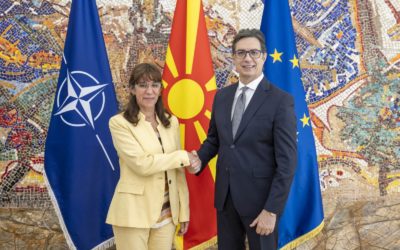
x,y
233,228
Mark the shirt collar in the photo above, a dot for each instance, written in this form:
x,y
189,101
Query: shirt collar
x,y
253,84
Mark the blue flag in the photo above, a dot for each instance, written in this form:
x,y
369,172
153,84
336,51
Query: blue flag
x,y
303,215
81,165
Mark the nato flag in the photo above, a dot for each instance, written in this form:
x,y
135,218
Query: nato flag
x,y
303,215
81,165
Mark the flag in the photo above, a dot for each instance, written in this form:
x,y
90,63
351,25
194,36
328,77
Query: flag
x,y
81,165
303,215
190,87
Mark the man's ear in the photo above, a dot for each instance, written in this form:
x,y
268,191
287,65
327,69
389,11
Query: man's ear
x,y
264,56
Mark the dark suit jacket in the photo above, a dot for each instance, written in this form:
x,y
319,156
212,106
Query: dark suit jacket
x,y
258,165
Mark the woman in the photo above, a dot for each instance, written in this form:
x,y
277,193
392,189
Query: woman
x,y
151,197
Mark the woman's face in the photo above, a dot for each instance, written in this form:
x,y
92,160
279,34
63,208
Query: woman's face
x,y
147,93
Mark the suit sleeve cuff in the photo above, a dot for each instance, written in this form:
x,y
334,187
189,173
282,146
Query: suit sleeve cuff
x,y
272,209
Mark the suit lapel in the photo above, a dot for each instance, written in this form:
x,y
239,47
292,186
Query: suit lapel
x,y
228,109
259,97
146,136
164,138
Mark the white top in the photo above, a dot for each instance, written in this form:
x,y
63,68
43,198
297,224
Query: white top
x,y
252,86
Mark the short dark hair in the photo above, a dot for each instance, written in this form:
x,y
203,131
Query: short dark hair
x,y
145,71
245,33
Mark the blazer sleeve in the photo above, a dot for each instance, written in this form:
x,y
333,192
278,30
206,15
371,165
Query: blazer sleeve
x,y
141,162
210,146
285,147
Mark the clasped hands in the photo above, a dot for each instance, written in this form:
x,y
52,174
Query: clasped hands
x,y
195,162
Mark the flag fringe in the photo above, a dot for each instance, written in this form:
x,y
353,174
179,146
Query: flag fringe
x,y
105,245
209,243
299,240
53,199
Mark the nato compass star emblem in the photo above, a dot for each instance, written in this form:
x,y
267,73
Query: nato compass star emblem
x,y
80,101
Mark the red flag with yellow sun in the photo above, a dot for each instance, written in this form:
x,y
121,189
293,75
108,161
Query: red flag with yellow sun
x,y
190,87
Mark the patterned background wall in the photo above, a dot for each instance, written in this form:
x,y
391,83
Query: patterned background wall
x,y
350,60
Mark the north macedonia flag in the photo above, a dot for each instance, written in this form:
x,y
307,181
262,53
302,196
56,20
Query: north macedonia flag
x,y
190,87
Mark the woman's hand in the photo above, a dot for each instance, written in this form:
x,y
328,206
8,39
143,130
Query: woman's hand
x,y
184,226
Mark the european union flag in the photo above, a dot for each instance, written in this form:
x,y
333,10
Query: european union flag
x,y
81,165
303,215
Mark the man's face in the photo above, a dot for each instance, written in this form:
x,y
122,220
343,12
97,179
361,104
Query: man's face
x,y
249,67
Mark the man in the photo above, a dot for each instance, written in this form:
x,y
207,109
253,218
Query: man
x,y
253,131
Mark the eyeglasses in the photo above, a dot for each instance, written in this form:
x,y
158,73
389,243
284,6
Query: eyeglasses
x,y
254,53
153,85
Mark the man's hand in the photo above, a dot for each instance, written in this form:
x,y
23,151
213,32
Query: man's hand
x,y
265,223
195,163
184,226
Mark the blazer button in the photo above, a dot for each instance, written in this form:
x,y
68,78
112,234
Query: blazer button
x,y
169,181
227,169
233,146
181,164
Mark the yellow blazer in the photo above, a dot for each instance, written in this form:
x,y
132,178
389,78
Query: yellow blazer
x,y
139,194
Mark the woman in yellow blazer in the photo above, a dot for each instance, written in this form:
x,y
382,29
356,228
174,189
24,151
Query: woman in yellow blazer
x,y
151,197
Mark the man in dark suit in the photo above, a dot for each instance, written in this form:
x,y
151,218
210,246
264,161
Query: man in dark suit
x,y
253,131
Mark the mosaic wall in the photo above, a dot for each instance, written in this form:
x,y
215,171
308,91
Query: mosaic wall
x,y
349,55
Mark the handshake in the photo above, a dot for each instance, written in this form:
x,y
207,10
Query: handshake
x,y
195,162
